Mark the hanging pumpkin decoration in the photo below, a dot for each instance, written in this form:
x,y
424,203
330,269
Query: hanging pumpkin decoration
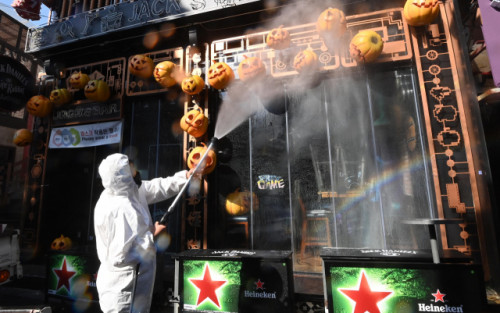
x,y
141,66
366,46
239,202
331,23
97,90
164,73
60,97
220,75
192,85
39,106
251,68
22,137
197,153
306,61
278,38
78,80
61,243
420,12
194,122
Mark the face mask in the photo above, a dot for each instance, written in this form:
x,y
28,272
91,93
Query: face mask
x,y
138,179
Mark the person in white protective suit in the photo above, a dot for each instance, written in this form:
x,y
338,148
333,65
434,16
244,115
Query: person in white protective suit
x,y
124,233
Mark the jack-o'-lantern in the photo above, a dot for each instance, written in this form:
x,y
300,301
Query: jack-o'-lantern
x,y
278,38
220,75
366,46
192,85
22,137
78,80
141,66
331,23
97,90
60,97
61,243
39,106
251,68
239,202
306,61
194,123
164,73
420,12
208,163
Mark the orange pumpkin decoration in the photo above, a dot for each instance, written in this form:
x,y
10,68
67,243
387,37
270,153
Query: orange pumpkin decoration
x,y
164,73
251,68
331,23
194,123
420,12
141,66
220,75
366,46
61,243
60,97
197,153
97,90
305,61
239,202
78,80
39,106
278,38
22,137
192,85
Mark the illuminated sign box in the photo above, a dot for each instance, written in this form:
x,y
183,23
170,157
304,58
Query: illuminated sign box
x,y
235,281
391,282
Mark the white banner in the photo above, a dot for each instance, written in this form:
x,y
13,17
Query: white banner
x,y
79,136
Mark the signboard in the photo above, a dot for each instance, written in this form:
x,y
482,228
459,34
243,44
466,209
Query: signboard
x,y
16,85
490,15
79,136
87,112
120,16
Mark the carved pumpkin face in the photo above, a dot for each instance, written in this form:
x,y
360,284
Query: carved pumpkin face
x,y
164,73
78,80
197,153
22,137
194,123
251,68
331,22
420,12
39,106
61,243
60,97
220,75
305,61
97,90
278,38
141,66
193,85
239,202
366,46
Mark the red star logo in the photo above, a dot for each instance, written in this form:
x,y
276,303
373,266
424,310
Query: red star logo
x,y
63,276
259,285
207,287
366,300
438,296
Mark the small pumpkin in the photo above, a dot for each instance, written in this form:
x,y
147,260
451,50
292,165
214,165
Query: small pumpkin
x,y
239,202
220,75
194,123
97,90
141,66
306,61
197,153
22,137
366,46
61,243
60,97
39,106
420,12
251,68
192,85
278,38
164,73
78,80
331,23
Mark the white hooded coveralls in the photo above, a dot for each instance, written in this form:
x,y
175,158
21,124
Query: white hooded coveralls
x,y
124,235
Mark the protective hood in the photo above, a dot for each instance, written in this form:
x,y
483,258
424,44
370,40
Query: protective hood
x,y
116,175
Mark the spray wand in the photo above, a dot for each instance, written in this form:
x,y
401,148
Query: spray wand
x,y
165,216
